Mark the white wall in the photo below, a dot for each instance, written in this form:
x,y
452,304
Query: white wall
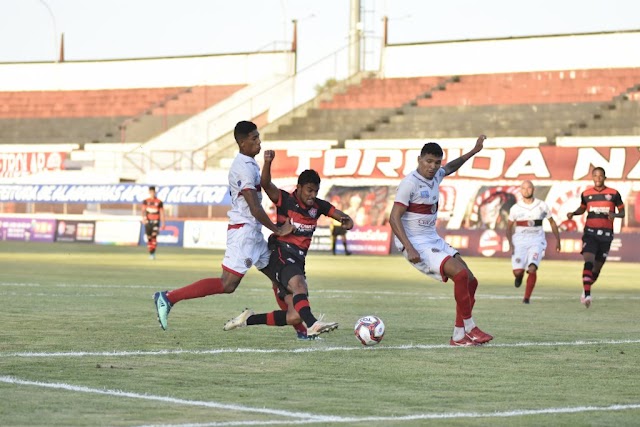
x,y
613,50
146,73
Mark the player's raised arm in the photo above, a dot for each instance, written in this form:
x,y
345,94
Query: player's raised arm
x,y
265,179
454,165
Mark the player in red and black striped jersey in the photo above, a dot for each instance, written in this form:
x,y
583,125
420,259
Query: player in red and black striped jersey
x,y
287,263
600,202
153,220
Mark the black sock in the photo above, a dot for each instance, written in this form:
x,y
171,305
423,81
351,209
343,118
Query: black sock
x,y
301,304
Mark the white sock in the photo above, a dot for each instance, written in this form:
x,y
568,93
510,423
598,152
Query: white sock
x,y
469,324
458,333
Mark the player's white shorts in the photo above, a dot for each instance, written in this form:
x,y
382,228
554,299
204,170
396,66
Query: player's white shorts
x,y
433,253
527,253
246,246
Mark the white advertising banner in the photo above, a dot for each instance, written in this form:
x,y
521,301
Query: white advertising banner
x,y
125,233
205,234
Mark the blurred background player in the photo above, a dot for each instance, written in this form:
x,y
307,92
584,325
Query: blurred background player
x,y
246,245
287,262
153,220
337,230
413,221
600,202
527,241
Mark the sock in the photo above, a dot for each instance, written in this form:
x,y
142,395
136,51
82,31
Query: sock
x,y
199,289
458,333
461,294
595,276
531,283
283,306
587,290
473,286
151,244
275,318
587,278
301,304
469,324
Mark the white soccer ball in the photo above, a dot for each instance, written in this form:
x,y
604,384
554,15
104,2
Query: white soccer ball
x,y
369,330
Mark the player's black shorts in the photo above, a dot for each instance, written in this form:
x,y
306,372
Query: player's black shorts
x,y
599,245
286,261
151,228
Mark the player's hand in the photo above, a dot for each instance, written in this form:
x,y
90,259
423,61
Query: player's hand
x,y
413,256
479,143
286,228
269,155
558,248
347,223
569,215
611,215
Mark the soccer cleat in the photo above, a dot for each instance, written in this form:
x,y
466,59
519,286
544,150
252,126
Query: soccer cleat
x,y
320,327
477,336
518,282
586,301
304,337
152,257
525,300
239,321
464,342
163,307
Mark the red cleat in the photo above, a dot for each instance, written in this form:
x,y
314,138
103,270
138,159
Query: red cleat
x,y
464,342
477,336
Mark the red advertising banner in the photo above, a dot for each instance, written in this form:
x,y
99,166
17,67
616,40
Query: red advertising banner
x,y
545,162
14,165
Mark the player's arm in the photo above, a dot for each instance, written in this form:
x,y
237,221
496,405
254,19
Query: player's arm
x,y
251,196
345,220
265,179
582,209
397,211
144,213
619,214
556,232
162,217
510,226
454,165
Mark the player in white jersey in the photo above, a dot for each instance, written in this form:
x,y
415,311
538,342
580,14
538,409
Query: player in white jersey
x,y
413,221
246,245
526,237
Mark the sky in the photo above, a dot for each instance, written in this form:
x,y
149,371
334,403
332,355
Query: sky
x,y
115,29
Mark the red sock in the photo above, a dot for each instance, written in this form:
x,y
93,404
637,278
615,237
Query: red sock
x,y
461,294
473,285
199,289
283,306
531,283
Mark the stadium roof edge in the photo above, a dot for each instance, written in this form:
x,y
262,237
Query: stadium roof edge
x,y
538,36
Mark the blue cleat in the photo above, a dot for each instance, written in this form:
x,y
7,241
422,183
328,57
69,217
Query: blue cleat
x,y
163,307
304,337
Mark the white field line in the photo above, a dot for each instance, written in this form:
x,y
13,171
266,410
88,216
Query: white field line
x,y
306,418
71,354
330,292
164,399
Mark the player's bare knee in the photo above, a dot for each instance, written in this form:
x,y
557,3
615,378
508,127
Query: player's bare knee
x,y
230,284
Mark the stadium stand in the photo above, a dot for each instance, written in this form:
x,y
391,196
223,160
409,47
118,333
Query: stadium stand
x,y
549,103
113,115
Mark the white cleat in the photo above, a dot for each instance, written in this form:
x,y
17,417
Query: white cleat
x,y
238,321
320,327
586,301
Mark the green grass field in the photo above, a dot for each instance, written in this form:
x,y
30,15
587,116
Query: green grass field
x,y
80,345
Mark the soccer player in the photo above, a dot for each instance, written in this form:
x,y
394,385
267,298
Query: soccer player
x,y
337,230
413,221
526,237
287,262
153,220
246,245
600,202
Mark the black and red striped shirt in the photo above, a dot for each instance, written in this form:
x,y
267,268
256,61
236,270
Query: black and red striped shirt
x,y
304,218
151,208
598,204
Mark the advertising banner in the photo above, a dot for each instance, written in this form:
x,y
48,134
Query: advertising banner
x,y
170,235
126,233
15,165
75,231
365,240
205,234
116,193
27,230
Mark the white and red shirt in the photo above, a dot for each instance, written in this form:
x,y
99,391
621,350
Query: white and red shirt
x,y
244,174
528,221
420,196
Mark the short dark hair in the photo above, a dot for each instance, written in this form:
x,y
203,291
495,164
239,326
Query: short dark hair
x,y
431,148
152,187
598,168
309,177
243,129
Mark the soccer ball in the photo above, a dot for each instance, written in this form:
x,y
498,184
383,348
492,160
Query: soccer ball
x,y
369,330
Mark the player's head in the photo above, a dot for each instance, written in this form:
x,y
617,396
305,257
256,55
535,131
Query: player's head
x,y
248,138
152,190
430,159
598,176
308,186
526,189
